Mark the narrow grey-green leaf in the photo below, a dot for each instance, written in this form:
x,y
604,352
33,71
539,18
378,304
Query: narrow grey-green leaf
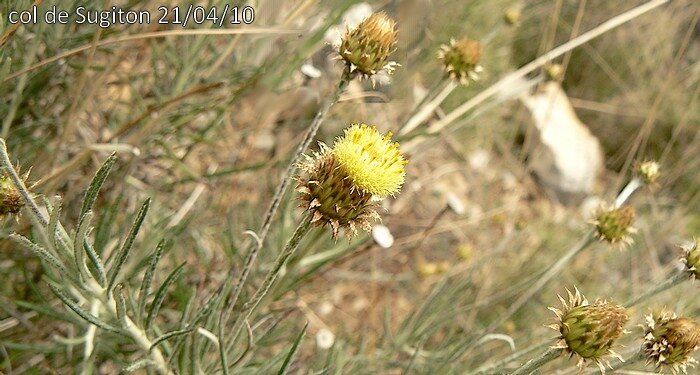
x,y
39,251
49,311
82,313
120,303
160,295
97,266
126,247
292,352
96,184
79,251
104,227
58,244
148,278
142,363
168,335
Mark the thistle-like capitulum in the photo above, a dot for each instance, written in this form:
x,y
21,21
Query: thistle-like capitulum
x,y
589,331
669,341
366,48
342,184
614,225
692,258
10,199
460,60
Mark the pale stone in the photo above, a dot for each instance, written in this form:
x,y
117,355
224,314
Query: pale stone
x,y
382,236
565,156
324,339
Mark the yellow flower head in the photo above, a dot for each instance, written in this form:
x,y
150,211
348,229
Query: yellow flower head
x,y
371,160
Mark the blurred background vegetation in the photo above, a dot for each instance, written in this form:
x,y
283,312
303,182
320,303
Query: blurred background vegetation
x,y
205,126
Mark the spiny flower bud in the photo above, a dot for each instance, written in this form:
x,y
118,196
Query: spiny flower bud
x,y
10,199
615,225
589,330
670,341
344,182
460,60
692,258
367,47
649,171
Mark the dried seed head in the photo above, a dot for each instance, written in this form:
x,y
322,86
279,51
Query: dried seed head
x,y
460,60
669,341
648,171
589,330
343,183
10,199
692,258
373,162
615,225
367,47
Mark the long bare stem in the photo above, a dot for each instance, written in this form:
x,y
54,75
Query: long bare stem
x,y
538,362
284,183
672,281
249,307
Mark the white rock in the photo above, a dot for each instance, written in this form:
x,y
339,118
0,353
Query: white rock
x,y
455,203
310,71
324,339
479,160
566,156
382,236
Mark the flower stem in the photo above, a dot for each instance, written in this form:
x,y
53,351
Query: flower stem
x,y
538,362
638,356
499,367
274,205
670,282
249,307
5,161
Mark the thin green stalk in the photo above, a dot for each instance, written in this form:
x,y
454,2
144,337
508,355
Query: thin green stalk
x,y
274,205
552,271
670,282
5,161
538,362
249,307
636,357
499,367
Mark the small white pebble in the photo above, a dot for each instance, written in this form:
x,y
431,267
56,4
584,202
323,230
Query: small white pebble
x,y
455,203
310,71
382,236
324,339
479,160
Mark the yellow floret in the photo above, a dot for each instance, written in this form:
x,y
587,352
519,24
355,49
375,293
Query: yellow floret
x,y
374,163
